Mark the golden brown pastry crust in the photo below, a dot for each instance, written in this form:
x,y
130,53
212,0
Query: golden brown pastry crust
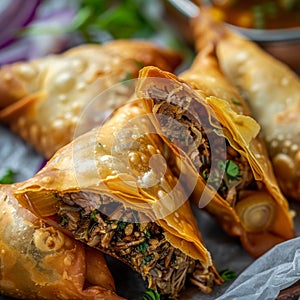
x,y
124,161
43,100
241,133
271,89
40,262
205,74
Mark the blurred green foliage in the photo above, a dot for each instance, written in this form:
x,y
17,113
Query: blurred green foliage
x,y
121,19
100,20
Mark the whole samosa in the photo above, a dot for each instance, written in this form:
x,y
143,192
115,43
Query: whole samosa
x,y
40,262
45,100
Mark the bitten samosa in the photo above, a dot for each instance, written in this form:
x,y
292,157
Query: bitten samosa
x,y
235,176
43,100
41,262
112,188
271,89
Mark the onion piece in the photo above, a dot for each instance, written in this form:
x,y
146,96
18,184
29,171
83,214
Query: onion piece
x,y
34,45
256,211
13,16
53,36
17,51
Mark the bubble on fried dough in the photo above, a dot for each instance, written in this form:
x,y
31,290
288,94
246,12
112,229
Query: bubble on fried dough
x,y
26,71
79,64
64,82
284,164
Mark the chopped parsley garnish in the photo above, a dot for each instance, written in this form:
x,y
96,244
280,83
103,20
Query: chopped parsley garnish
x,y
148,258
93,215
147,234
230,168
142,247
228,275
121,226
150,294
8,177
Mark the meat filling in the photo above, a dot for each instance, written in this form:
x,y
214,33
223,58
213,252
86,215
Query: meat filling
x,y
100,222
198,138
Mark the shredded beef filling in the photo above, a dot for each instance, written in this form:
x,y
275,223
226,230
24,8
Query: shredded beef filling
x,y
198,139
99,221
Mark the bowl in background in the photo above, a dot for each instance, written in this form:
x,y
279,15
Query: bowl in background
x,y
284,44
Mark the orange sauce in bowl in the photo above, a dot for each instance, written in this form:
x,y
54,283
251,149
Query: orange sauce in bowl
x,y
259,14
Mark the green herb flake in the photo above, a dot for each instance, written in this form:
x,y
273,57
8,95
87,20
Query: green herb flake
x,y
150,294
93,215
228,275
147,234
148,258
8,177
236,102
121,226
142,247
232,169
205,174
